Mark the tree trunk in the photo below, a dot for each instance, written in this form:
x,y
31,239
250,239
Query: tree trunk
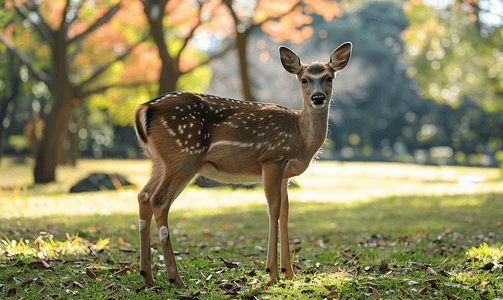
x,y
242,42
15,82
55,131
169,67
57,121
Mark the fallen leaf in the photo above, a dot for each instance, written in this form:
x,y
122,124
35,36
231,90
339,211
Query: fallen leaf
x,y
124,249
41,290
27,282
488,266
451,296
78,285
228,264
90,273
11,292
123,271
207,257
421,291
404,292
375,294
186,296
39,265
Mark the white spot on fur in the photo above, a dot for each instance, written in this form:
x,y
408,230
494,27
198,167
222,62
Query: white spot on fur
x,y
163,233
141,224
231,143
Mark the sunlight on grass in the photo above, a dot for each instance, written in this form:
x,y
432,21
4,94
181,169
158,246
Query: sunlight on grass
x,y
484,252
323,181
45,246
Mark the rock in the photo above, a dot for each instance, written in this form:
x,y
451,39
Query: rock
x,y
99,182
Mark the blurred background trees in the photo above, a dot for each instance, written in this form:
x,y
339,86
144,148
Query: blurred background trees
x,y
424,84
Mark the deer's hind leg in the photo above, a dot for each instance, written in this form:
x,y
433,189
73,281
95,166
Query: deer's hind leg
x,y
145,223
171,185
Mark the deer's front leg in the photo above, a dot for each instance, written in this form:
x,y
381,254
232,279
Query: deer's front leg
x,y
272,176
286,265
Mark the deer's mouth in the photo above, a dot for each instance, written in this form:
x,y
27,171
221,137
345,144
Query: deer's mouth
x,y
318,100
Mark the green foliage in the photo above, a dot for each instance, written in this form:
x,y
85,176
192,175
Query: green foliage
x,y
18,142
454,57
197,81
120,102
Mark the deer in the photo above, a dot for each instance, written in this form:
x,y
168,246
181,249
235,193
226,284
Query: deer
x,y
233,141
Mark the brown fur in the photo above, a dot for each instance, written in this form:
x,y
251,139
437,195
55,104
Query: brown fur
x,y
234,141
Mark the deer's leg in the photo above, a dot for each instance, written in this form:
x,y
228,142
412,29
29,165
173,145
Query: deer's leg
x,y
272,175
286,265
144,225
166,193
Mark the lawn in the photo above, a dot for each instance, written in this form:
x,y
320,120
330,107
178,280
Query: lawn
x,y
357,230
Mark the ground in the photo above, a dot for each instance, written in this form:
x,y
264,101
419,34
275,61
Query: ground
x,y
360,230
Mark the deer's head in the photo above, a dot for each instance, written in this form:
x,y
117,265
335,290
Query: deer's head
x,y
316,78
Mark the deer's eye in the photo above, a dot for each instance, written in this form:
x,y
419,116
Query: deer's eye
x,y
330,79
304,80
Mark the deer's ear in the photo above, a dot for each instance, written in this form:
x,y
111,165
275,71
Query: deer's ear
x,y
340,57
290,60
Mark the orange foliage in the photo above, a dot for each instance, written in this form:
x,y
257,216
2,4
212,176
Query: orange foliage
x,y
52,11
9,30
286,28
272,9
143,64
182,13
327,9
222,23
25,38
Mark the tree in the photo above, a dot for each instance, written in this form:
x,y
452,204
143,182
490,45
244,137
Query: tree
x,y
456,51
173,25
283,20
55,42
7,98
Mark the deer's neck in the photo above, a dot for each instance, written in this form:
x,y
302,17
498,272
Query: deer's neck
x,y
314,126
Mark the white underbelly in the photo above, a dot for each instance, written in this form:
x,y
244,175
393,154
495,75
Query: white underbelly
x,y
208,170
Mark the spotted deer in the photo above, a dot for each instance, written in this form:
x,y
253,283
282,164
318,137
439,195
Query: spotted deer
x,y
233,141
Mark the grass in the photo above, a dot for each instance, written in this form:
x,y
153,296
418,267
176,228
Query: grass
x,y
357,230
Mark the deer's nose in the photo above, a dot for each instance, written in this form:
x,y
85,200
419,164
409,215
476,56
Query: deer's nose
x,y
318,98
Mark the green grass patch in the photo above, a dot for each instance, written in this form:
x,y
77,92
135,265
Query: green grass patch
x,y
428,246
356,231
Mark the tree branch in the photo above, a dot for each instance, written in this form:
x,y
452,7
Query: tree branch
x,y
212,57
101,21
43,29
98,71
191,34
40,75
76,9
102,89
64,24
